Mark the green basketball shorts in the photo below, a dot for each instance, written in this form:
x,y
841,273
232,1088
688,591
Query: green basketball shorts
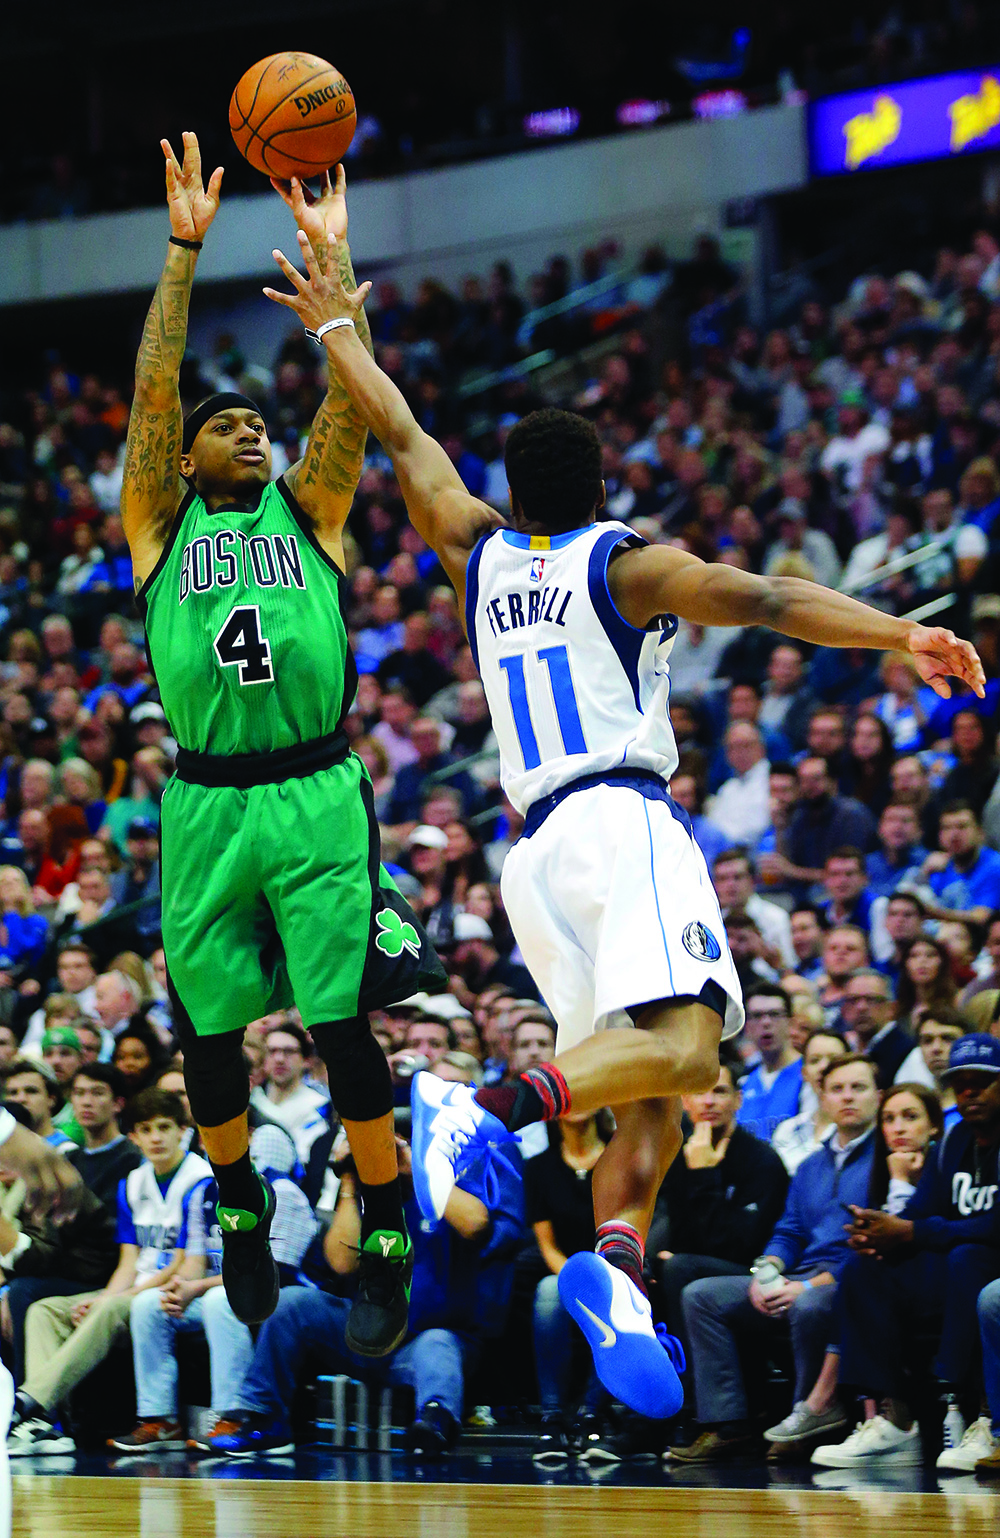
x,y
275,896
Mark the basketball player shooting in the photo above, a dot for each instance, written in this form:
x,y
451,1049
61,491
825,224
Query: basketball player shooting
x,y
571,622
272,888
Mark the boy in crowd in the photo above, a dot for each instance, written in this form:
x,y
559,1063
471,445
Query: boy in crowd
x,y
67,1337
97,1095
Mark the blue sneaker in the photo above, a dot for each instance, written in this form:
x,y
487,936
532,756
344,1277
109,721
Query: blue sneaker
x,y
449,1130
256,1434
637,1365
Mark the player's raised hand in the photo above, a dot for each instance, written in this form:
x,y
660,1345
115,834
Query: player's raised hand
x,y
192,205
940,655
321,296
324,218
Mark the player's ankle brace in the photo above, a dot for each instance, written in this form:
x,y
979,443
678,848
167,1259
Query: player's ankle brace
x,y
360,1077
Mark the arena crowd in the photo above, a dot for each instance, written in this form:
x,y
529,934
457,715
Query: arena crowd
x,y
829,1236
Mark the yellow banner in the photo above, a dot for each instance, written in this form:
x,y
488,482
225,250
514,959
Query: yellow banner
x,y
871,132
972,117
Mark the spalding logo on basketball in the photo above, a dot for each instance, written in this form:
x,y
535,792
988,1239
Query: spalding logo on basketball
x,y
700,942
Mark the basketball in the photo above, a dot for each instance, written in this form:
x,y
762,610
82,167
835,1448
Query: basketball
x,y
292,114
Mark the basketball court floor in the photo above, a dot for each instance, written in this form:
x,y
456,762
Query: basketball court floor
x,y
473,1495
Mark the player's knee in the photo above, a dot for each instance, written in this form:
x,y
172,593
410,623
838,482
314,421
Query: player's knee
x,y
360,1078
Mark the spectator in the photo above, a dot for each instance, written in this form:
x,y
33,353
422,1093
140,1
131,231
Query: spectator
x,y
687,792
903,922
869,1013
974,774
139,1056
925,981
97,1095
844,951
33,1085
67,1337
787,699
62,1055
801,1135
559,1207
808,1249
732,876
807,928
23,932
900,854
772,1091
741,806
720,1200
930,1264
845,881
822,822
407,798
284,1096
928,1063
965,874
990,979
116,999
414,667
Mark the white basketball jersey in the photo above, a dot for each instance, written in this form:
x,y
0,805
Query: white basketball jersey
x,y
160,1218
573,688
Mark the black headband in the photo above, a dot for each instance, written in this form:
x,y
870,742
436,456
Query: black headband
x,y
226,401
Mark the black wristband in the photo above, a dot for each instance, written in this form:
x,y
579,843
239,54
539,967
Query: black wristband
x,y
189,245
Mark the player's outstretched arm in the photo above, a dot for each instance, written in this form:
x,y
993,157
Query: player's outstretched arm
x,y
440,508
151,484
325,479
658,579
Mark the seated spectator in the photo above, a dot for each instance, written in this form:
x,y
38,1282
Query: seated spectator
x,y
732,877
559,1208
741,806
76,975
845,882
909,1120
116,999
928,1265
845,949
127,820
23,932
376,760
720,1200
687,792
928,1063
67,1337
965,875
139,879
97,1095
974,773
990,979
139,1056
799,1136
796,1282
749,951
900,707
62,1055
413,667
193,1301
284,1096
462,1276
822,822
807,926
869,1015
787,699
770,1092
31,1084
431,759
926,982
900,854
869,755
894,927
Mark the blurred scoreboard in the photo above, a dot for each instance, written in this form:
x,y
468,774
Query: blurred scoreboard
x,y
893,125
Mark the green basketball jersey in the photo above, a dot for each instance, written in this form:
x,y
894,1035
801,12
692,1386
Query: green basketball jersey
x,y
245,629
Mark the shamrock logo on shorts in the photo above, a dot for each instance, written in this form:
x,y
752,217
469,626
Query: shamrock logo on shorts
x,y
395,934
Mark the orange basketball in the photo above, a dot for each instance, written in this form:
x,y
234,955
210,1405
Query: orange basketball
x,y
292,115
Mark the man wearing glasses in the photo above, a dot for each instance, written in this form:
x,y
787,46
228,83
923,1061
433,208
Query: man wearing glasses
x,y
868,1012
773,1090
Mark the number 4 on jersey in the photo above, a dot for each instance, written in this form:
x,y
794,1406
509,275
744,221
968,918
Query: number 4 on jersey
x,y
240,644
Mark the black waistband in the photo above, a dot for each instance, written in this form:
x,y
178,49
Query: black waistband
x,y
241,771
648,784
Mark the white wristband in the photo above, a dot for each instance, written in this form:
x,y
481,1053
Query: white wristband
x,y
328,325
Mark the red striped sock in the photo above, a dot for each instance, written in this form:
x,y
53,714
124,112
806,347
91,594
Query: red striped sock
x,y
621,1245
540,1094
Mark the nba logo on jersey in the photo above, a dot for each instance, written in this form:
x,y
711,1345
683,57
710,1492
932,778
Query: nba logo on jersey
x,y
537,567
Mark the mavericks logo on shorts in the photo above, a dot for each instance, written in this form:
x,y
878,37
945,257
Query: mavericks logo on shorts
x,y
700,942
396,935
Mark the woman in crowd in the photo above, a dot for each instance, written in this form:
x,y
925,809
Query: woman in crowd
x,y
81,787
376,760
909,1120
23,932
926,981
559,1207
900,707
974,745
139,1056
869,756
466,862
800,1136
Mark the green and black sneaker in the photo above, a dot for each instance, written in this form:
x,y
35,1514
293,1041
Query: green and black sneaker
x,y
378,1319
249,1273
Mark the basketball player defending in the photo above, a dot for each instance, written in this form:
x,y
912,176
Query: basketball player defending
x,y
272,887
571,622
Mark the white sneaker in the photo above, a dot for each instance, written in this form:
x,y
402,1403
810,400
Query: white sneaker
x,y
978,1442
803,1423
37,1438
877,1439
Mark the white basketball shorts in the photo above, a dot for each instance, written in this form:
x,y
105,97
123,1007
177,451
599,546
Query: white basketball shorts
x,y
612,905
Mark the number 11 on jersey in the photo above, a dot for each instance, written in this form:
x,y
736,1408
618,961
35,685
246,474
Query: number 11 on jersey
x,y
556,660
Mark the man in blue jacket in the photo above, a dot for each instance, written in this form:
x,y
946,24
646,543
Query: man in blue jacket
x,y
793,1285
930,1265
463,1269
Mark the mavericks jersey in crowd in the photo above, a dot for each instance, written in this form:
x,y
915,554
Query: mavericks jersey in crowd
x,y
245,630
154,1214
573,688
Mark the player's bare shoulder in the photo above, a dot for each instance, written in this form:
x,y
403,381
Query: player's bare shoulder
x,y
636,577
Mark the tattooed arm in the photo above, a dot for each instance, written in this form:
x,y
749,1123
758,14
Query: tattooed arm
x,y
325,479
151,484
